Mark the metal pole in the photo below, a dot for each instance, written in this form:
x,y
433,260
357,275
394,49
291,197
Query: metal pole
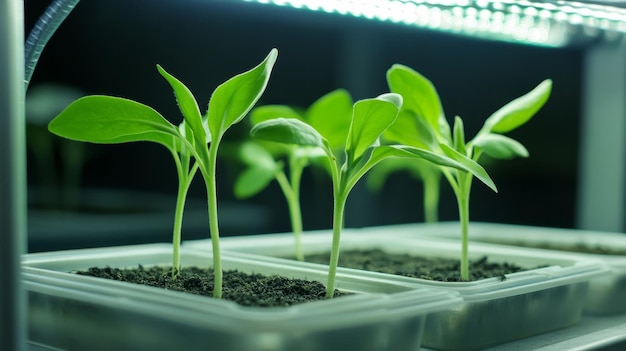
x,y
12,176
602,180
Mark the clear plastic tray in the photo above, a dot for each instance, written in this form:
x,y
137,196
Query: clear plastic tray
x,y
606,294
494,311
70,311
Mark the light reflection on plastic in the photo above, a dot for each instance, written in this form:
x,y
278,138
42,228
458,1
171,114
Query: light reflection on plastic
x,y
530,22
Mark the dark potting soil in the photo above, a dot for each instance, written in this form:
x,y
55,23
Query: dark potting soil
x,y
431,268
245,289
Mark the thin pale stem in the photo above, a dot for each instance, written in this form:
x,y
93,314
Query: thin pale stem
x,y
338,212
451,179
291,192
211,188
178,224
296,211
178,214
431,180
465,182
184,181
462,199
339,202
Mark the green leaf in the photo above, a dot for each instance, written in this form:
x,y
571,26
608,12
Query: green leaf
x,y
459,135
186,132
413,152
232,100
392,98
331,115
188,107
469,165
371,117
252,180
113,120
420,95
288,131
520,110
500,146
263,113
384,152
412,131
252,153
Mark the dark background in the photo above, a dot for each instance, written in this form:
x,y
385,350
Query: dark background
x,y
111,47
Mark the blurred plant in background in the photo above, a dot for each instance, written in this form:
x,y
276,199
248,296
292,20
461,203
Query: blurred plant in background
x,y
56,188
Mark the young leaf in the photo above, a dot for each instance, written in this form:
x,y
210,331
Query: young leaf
x,y
112,120
252,180
187,132
420,95
412,131
392,98
188,106
387,151
232,100
252,153
384,152
470,166
370,119
459,135
263,113
331,115
500,147
261,171
520,110
289,131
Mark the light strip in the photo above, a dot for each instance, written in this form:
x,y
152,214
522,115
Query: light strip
x,y
552,24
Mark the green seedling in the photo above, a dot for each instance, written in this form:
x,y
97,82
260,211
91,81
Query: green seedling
x,y
262,169
361,151
112,120
266,161
404,131
422,120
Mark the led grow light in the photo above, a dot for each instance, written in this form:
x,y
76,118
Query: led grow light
x,y
554,24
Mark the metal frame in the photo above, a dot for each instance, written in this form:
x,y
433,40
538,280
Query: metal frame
x,y
12,176
602,170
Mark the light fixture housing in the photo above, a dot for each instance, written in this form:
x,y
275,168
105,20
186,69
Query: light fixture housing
x,y
539,23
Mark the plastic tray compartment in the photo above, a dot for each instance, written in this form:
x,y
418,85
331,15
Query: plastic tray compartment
x,y
70,311
493,312
606,294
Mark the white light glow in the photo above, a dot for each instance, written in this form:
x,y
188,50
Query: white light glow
x,y
554,23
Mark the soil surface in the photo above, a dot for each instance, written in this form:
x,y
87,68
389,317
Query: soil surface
x,y
574,247
431,268
242,288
